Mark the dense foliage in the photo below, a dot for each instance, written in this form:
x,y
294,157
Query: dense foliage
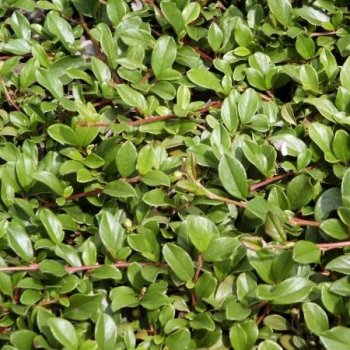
x,y
174,174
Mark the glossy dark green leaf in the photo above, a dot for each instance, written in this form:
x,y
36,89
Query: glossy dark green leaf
x,y
64,333
291,290
179,261
106,332
282,10
233,177
52,225
19,241
119,189
201,232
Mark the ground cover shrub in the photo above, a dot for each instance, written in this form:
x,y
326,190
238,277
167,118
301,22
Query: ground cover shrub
x,y
174,174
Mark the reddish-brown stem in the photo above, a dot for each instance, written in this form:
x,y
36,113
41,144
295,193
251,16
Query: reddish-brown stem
x,y
205,109
303,222
265,97
203,54
94,192
333,245
132,180
95,43
195,279
199,268
270,181
315,34
264,314
8,97
75,269
152,119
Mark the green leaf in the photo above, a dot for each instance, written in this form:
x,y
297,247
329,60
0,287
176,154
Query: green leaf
x,y
335,229
179,261
178,340
100,70
288,144
322,135
309,78
82,307
221,249
108,45
106,332
64,333
300,184
63,134
229,113
201,232
336,338
282,10
340,264
290,291
60,28
126,159
330,200
52,225
173,16
123,297
204,79
248,105
329,63
119,189
345,74
156,178
324,106
19,241
50,82
315,317
305,46
269,345
345,189
22,339
233,177
146,159
155,296
305,252
51,181
243,335
215,36
132,98
191,12
163,55
111,233
156,198
312,15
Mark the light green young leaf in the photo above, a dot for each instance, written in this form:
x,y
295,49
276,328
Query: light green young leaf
x,y
205,79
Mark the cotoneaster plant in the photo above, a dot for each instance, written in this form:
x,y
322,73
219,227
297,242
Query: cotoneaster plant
x,y
174,174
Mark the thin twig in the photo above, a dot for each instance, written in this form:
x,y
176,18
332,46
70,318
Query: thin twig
x,y
265,97
8,97
203,54
75,269
94,192
195,279
315,34
270,181
243,204
132,180
266,311
333,245
303,222
95,43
